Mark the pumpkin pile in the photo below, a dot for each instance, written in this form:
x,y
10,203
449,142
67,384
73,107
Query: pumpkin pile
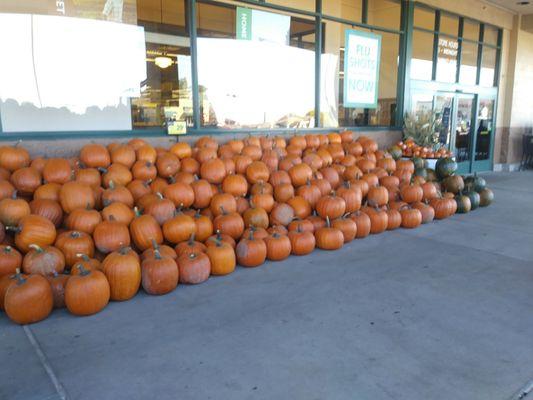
x,y
80,232
409,148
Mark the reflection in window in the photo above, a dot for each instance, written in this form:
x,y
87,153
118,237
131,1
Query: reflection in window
x,y
485,126
447,59
449,24
77,81
422,62
468,72
384,13
471,30
424,18
488,65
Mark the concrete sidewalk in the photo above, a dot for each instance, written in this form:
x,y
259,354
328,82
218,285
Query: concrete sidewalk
x,y
441,312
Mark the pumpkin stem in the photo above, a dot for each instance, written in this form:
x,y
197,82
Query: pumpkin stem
x,y
84,257
218,243
8,249
36,247
219,236
191,239
328,224
102,170
171,179
223,211
276,235
299,228
14,194
124,250
192,256
111,185
112,218
137,211
20,279
155,245
158,194
251,235
75,234
15,229
157,254
83,271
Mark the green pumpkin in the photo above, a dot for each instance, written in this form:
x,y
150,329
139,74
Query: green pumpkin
x,y
396,152
445,167
474,199
463,203
419,162
421,172
476,183
486,197
431,175
454,184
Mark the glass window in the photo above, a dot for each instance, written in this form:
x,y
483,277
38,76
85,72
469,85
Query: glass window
x,y
384,13
490,35
447,59
347,9
470,30
449,24
488,66
161,15
468,71
424,18
422,61
485,128
385,112
265,82
307,5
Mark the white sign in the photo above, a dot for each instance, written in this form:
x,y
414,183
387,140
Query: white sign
x,y
361,69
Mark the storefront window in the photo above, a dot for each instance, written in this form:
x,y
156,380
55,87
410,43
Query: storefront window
x,y
385,112
447,59
471,30
385,13
422,61
348,9
488,65
468,72
260,77
490,35
307,5
424,18
449,24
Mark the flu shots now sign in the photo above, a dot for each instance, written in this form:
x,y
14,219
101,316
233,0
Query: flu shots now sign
x,y
362,52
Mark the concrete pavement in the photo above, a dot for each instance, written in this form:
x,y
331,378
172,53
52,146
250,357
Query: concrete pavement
x,y
441,312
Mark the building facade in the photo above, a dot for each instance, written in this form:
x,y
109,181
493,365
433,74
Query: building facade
x,y
102,69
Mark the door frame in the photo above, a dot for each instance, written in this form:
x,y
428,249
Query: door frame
x,y
456,90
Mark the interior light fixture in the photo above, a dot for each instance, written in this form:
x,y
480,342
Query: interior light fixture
x,y
163,61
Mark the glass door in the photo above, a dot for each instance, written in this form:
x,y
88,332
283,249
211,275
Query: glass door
x,y
464,122
484,134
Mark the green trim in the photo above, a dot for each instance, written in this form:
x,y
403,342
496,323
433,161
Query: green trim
x,y
459,50
435,46
191,19
405,53
318,60
348,33
60,135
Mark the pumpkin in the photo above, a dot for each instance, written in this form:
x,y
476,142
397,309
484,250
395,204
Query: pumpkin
x,y
10,260
144,230
57,284
303,224
278,247
161,209
33,229
94,156
164,250
486,197
88,176
302,208
57,170
463,204
14,157
347,226
74,195
222,258
411,193
123,272
43,261
146,153
29,299
223,202
179,228
137,143
116,173
120,211
179,193
443,207
86,262
454,184
204,226
83,220
378,196
281,214
222,237
123,154
250,251
87,292
194,268
411,217
138,188
189,247
474,199
256,216
5,282
117,194
48,191
181,150
213,171
283,192
26,180
13,209
236,185
363,222
300,174
111,236
278,177
328,237
445,167
475,183
259,233
6,189
167,164
311,193
73,243
159,275
49,209
202,193
331,206
352,196
229,223
302,242
428,213
429,191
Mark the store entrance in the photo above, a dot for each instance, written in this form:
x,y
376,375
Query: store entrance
x,y
467,125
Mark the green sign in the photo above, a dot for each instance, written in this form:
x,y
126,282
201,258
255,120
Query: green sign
x,y
244,23
362,53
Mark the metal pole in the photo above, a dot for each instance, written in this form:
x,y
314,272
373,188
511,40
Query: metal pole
x,y
318,54
191,19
